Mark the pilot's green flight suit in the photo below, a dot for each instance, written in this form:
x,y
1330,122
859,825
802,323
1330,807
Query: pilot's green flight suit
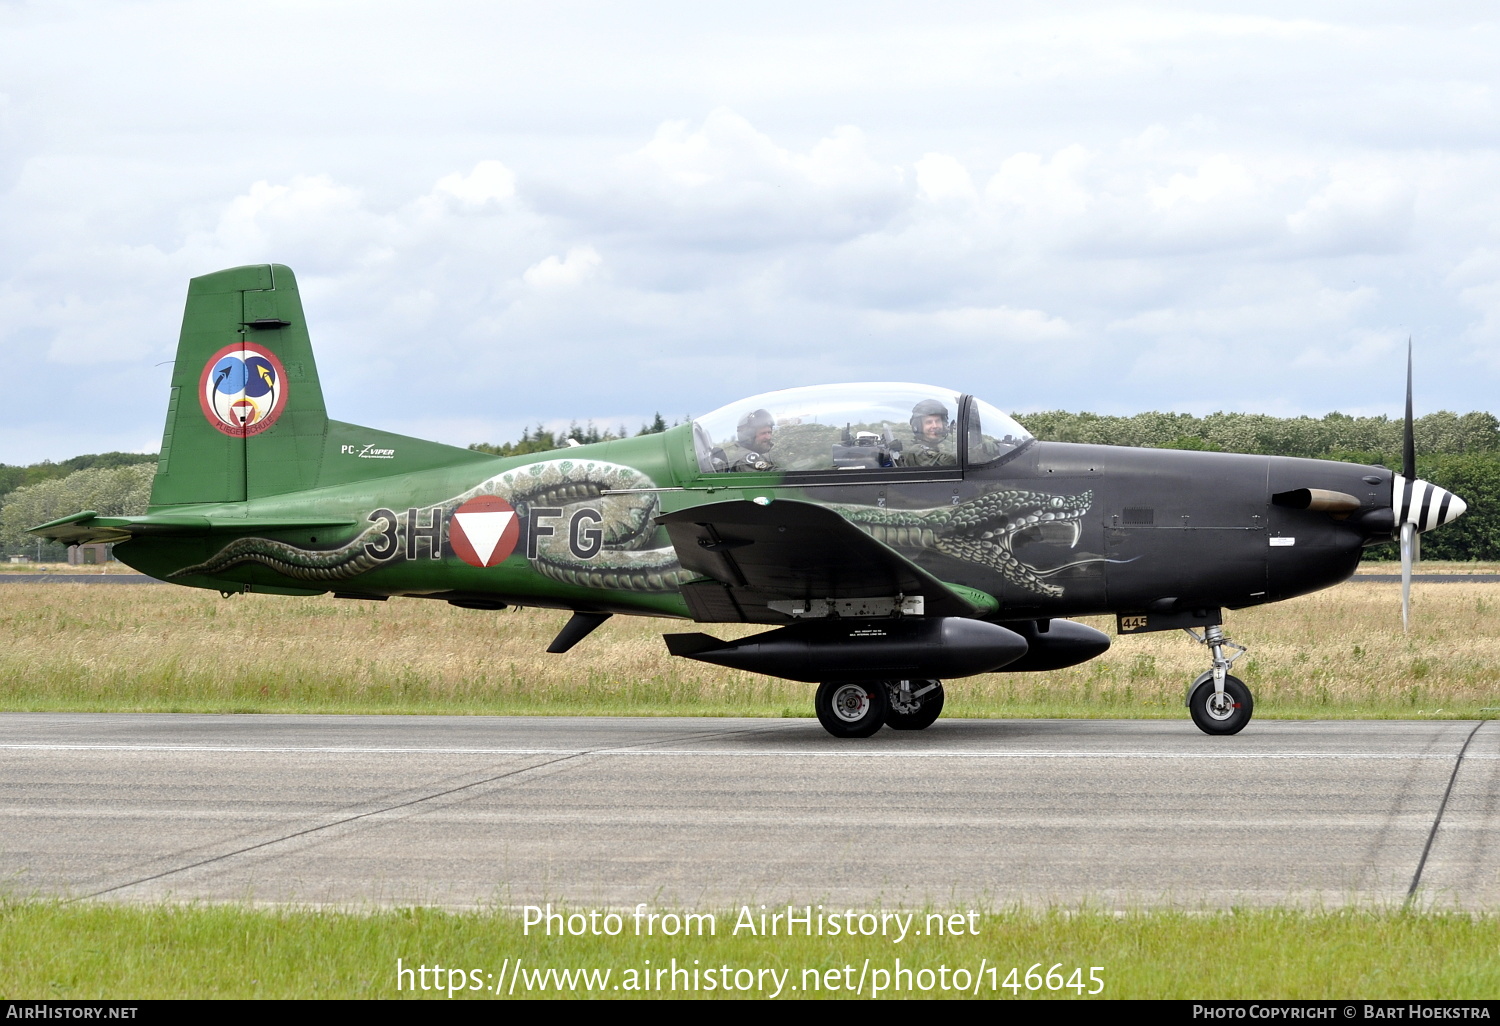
x,y
737,457
922,453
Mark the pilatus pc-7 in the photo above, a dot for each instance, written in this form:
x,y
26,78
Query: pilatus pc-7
x,y
889,536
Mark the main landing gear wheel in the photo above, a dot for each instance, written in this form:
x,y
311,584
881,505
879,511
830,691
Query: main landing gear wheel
x,y
852,710
913,704
1222,714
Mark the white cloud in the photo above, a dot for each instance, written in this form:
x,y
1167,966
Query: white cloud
x,y
1278,304
1217,182
489,182
1089,207
1354,349
552,273
726,150
1360,210
1483,335
998,324
309,213
941,178
726,183
1052,188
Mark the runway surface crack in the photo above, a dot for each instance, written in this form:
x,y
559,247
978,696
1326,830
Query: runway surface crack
x,y
604,750
323,826
1437,821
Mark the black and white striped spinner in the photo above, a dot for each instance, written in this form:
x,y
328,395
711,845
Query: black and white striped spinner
x,y
1424,504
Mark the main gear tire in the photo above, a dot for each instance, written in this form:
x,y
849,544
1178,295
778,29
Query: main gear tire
x,y
907,713
854,709
1222,715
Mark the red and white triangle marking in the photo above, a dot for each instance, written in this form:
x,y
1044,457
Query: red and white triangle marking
x,y
484,530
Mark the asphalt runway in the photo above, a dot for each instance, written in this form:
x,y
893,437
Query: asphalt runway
x,y
595,810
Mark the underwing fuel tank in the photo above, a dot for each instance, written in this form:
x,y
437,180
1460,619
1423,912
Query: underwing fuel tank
x,y
1053,644
837,650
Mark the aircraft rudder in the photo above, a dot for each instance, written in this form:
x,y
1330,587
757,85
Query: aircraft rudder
x,y
245,416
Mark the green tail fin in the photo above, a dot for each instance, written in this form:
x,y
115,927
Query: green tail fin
x,y
246,416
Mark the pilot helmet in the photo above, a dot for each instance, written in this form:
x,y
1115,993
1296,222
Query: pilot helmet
x,y
750,424
928,408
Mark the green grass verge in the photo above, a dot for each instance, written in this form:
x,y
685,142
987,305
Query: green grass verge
x,y
50,950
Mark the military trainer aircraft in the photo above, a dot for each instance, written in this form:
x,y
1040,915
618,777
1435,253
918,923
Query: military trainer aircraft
x,y
891,535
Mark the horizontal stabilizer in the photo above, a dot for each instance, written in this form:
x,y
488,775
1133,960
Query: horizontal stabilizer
x,y
88,527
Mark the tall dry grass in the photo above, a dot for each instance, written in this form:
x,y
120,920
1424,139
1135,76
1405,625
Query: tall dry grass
x,y
111,648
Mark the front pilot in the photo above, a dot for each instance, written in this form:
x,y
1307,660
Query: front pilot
x,y
754,437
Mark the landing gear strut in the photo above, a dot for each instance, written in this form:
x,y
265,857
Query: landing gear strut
x,y
1219,702
914,704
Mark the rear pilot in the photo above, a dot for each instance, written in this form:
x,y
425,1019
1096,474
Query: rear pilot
x,y
933,445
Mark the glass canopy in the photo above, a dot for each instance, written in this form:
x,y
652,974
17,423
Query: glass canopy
x,y
852,427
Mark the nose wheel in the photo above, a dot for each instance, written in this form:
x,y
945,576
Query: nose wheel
x,y
1219,702
1222,712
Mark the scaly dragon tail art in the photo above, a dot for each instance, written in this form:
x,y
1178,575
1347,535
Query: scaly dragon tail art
x,y
979,531
348,560
624,562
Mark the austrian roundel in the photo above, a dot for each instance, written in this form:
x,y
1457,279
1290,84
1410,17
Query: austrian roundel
x,y
484,531
242,389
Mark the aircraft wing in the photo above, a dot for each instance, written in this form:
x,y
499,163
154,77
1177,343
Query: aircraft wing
x,y
89,527
789,554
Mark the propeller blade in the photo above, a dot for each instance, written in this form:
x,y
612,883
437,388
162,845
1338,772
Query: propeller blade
x,y
1408,540
1408,440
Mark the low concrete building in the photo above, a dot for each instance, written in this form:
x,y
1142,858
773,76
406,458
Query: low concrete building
x,y
90,554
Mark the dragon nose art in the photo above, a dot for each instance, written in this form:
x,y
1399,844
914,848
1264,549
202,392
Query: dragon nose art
x,y
1425,505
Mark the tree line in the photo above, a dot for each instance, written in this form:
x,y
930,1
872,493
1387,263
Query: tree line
x,y
111,484
1457,452
1334,436
543,440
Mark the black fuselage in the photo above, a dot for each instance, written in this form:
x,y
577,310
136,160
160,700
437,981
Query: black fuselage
x,y
1164,528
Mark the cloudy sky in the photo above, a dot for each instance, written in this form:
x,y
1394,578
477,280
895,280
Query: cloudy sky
x,y
502,214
